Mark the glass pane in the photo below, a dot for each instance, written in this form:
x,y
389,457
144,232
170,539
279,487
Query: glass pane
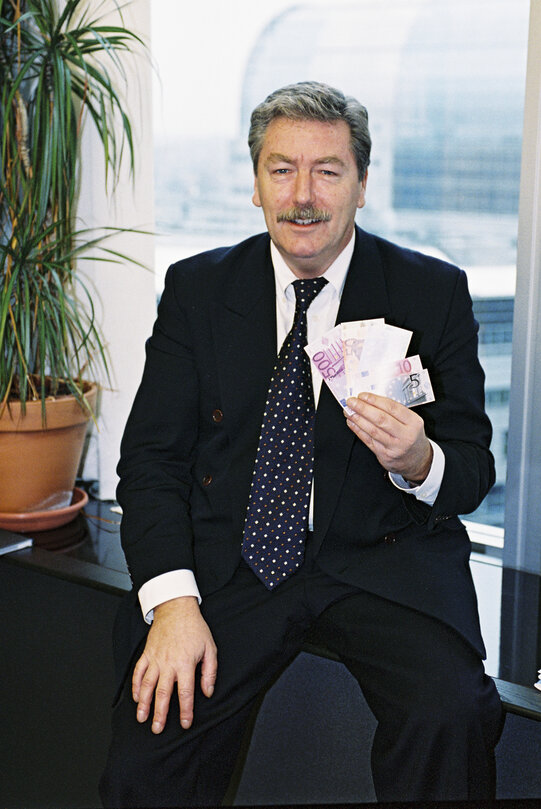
x,y
443,83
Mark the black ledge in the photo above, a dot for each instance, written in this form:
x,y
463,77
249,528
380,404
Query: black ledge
x,y
88,552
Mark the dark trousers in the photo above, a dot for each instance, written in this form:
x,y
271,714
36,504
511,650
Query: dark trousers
x,y
439,716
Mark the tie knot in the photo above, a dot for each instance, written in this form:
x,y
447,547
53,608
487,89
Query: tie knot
x,y
306,289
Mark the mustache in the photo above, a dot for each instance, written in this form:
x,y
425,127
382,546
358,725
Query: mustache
x,y
304,213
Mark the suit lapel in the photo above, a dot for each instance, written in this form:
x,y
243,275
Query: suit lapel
x,y
244,329
364,296
244,337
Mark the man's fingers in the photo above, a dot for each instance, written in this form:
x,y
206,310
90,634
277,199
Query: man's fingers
x,y
186,684
396,409
138,674
373,428
369,432
209,670
185,698
144,682
149,685
379,412
162,698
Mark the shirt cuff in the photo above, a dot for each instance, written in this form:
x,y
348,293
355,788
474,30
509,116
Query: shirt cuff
x,y
174,584
429,489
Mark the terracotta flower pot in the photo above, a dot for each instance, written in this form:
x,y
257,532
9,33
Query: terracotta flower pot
x,y
38,465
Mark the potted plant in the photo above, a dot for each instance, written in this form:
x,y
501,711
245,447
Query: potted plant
x,y
57,64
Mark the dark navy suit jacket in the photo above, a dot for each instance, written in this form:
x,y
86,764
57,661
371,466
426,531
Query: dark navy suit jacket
x,y
191,439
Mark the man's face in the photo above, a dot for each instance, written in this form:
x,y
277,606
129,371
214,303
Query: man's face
x,y
308,186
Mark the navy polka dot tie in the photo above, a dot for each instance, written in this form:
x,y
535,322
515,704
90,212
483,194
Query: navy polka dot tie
x,y
277,517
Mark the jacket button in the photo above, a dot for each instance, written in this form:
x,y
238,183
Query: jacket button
x,y
207,480
389,539
217,416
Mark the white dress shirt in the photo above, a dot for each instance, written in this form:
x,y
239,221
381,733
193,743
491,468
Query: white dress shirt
x,y
321,317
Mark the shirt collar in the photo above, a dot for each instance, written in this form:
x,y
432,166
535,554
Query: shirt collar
x,y
335,274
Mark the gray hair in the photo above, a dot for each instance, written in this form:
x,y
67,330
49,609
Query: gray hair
x,y
311,100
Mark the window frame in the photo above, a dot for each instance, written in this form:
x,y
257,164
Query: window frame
x,y
522,546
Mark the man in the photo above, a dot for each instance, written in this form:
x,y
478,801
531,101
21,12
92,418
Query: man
x,y
240,539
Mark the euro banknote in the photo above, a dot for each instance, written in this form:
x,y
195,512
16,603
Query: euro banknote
x,y
376,377
370,355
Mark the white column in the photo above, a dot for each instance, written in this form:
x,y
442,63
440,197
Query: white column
x,y
125,295
522,548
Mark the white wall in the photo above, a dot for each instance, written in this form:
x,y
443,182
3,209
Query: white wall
x,y
126,293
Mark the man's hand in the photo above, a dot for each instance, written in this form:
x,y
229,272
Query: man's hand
x,y
394,433
178,640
